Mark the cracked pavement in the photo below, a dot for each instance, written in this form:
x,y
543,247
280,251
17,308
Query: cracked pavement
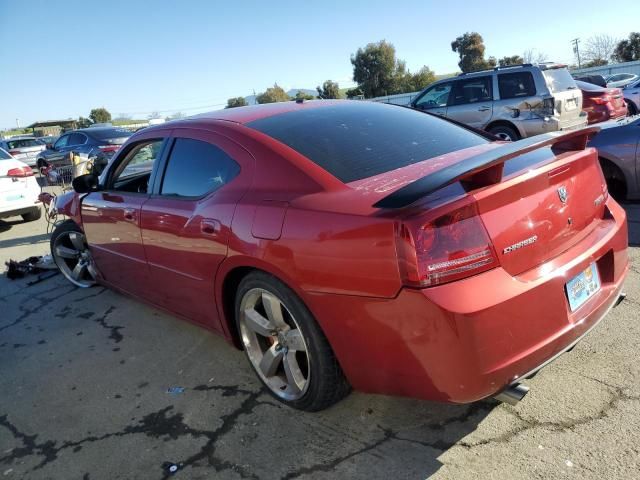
x,y
85,374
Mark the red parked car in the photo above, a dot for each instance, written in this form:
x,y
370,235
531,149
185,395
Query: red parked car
x,y
600,103
347,244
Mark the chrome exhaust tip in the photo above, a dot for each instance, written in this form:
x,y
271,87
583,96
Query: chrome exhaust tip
x,y
512,394
620,299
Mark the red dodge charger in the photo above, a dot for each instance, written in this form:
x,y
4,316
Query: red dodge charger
x,y
347,244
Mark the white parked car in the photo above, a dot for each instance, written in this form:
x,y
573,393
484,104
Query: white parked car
x,y
19,189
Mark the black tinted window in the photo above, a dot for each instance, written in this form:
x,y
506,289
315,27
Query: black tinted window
x,y
514,85
472,90
4,155
196,168
76,139
355,140
107,133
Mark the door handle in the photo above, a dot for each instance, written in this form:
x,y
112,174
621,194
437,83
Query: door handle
x,y
130,214
210,226
484,109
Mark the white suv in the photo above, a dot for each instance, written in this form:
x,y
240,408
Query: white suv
x,y
19,189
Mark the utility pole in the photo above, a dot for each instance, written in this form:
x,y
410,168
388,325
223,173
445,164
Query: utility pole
x,y
576,49
17,122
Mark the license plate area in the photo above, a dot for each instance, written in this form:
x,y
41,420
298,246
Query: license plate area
x,y
582,287
571,104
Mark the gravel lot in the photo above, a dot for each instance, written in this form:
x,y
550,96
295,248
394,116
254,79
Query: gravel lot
x,y
84,376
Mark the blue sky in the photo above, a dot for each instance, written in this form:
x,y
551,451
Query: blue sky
x,y
62,58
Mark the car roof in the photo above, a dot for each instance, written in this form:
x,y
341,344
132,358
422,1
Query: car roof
x,y
250,113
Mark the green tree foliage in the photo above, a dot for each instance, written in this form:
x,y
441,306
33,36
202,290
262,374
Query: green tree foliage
x,y
236,102
272,95
84,122
374,69
513,60
378,72
628,49
470,48
354,92
100,115
329,90
300,95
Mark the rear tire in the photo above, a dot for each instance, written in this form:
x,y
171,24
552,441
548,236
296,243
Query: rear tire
x,y
285,346
504,133
616,183
32,215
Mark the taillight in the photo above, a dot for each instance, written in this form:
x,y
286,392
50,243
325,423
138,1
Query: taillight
x,y
14,152
548,106
451,247
109,148
20,172
601,100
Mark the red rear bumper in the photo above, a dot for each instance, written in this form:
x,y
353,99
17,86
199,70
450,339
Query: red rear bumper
x,y
467,340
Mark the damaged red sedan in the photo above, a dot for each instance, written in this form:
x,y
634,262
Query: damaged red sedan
x,y
357,245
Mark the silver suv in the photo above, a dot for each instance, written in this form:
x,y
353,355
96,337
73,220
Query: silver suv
x,y
510,102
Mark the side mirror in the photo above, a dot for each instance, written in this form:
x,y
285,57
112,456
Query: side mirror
x,y
85,183
49,146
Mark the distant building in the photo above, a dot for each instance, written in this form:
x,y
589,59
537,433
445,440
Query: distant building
x,y
52,127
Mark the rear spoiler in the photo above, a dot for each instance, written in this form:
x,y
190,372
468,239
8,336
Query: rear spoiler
x,y
485,168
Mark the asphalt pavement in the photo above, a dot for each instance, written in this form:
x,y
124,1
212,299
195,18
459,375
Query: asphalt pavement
x,y
95,385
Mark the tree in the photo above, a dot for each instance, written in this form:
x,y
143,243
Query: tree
x,y
328,90
354,93
405,81
628,50
300,95
236,102
598,50
513,60
531,56
100,115
272,95
374,69
176,116
84,122
596,62
470,48
154,115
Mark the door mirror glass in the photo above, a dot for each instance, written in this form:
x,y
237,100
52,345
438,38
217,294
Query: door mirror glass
x,y
49,146
85,183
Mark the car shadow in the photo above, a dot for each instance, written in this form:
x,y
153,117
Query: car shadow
x,y
633,221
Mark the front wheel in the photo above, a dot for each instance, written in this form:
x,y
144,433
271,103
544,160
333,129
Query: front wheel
x,y
285,346
631,108
71,253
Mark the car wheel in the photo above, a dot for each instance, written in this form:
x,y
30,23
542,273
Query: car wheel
x,y
285,346
72,256
504,133
32,215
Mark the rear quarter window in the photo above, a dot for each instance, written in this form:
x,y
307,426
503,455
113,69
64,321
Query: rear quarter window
x,y
355,140
559,79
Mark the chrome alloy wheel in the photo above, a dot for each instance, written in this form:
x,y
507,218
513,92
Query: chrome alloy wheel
x,y
71,253
504,136
274,344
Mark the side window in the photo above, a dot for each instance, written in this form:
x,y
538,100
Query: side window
x,y
62,142
472,90
436,96
515,85
133,173
196,168
76,139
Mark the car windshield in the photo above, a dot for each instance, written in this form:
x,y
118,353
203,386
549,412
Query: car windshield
x,y
4,155
559,79
108,133
357,140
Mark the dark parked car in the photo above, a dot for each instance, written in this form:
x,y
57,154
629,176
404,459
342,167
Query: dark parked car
x,y
91,141
618,145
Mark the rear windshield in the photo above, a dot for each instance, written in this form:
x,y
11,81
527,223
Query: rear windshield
x,y
355,140
23,143
559,79
107,133
4,155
